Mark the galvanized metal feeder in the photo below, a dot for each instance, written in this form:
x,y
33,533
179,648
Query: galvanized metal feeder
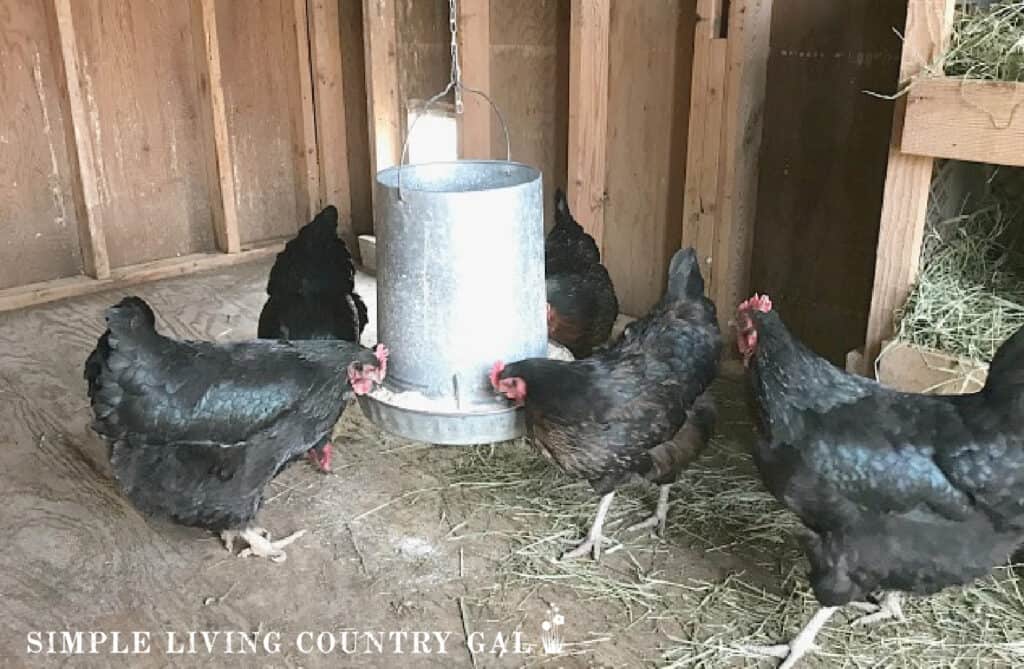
x,y
460,284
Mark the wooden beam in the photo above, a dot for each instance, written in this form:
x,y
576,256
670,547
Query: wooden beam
x,y
220,174
91,237
703,147
964,119
383,102
748,31
59,289
907,184
588,113
475,54
307,162
332,124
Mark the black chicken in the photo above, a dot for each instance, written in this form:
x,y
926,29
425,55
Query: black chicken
x,y
900,492
582,306
312,296
197,429
618,414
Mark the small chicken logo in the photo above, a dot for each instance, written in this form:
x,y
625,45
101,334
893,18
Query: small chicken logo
x,y
551,639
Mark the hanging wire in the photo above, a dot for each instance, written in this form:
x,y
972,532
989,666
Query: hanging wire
x,y
454,84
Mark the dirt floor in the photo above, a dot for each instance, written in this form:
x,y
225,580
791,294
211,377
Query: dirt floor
x,y
407,544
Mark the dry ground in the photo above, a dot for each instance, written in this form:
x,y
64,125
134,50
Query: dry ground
x,y
405,537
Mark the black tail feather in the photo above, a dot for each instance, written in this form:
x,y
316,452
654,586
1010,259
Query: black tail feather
x,y
684,277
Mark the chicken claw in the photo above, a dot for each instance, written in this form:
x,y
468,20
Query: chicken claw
x,y
658,519
889,608
791,653
259,542
594,537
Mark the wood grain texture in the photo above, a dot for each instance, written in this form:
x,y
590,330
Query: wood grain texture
x,y
530,80
588,114
37,205
59,289
139,107
353,60
649,100
823,165
260,62
214,126
306,117
963,119
749,28
91,234
383,102
331,119
475,50
907,183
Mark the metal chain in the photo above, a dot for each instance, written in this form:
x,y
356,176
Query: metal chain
x,y
455,80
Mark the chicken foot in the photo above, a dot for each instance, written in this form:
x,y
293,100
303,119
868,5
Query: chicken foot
x,y
594,537
660,516
259,542
790,653
890,607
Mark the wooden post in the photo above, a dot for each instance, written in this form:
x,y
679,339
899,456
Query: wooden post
x,y
588,113
328,88
215,125
307,158
907,185
726,112
380,37
91,238
703,146
475,53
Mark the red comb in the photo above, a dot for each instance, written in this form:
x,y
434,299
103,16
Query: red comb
x,y
759,302
496,369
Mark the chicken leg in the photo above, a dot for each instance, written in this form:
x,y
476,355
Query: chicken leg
x,y
790,653
594,537
660,516
890,607
259,542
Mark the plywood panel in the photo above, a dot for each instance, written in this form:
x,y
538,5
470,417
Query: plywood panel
x,y
530,84
823,164
37,213
138,78
259,63
651,47
424,56
354,98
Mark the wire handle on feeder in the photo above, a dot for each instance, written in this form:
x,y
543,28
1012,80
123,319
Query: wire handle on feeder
x,y
454,84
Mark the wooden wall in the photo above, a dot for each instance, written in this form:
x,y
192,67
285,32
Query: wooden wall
x,y
823,164
116,153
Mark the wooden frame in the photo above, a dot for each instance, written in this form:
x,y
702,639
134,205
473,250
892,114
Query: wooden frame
x,y
726,112
907,187
963,119
383,98
475,52
588,113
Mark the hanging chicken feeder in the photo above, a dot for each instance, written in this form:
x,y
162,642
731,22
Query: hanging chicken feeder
x,y
460,284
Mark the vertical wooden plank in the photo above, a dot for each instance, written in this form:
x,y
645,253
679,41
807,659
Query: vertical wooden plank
x,y
475,54
221,175
380,37
307,160
748,31
95,260
588,113
907,184
704,137
332,123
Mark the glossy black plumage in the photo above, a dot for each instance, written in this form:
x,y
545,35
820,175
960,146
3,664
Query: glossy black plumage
x,y
617,413
900,491
312,287
197,429
582,306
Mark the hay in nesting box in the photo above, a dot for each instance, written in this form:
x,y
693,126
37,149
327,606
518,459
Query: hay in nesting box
x,y
969,296
987,43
